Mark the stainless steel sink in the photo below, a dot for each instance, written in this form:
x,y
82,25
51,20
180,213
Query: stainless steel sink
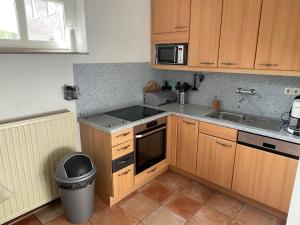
x,y
253,121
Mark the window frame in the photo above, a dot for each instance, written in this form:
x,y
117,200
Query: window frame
x,y
39,45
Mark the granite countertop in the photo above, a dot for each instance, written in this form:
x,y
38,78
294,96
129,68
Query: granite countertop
x,y
197,112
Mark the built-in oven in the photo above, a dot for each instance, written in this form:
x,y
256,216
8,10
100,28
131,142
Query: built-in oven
x,y
150,144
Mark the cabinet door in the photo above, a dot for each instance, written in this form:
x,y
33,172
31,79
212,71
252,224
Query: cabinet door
x,y
123,180
264,177
215,160
157,16
205,33
240,23
171,140
279,35
177,15
187,145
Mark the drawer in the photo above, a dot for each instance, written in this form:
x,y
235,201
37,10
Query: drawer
x,y
218,131
123,180
121,136
151,172
122,149
122,162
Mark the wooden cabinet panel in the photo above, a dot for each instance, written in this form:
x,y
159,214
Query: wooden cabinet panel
x,y
240,23
205,31
123,180
264,177
279,35
218,131
157,16
171,140
215,160
186,145
170,16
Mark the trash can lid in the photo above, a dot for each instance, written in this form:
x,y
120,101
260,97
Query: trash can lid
x,y
74,167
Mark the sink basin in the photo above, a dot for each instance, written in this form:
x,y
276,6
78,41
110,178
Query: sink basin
x,y
254,121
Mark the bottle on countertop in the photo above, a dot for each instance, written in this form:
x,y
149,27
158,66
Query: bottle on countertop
x,y
215,104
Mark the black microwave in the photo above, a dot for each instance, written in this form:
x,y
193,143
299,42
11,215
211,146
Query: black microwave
x,y
171,54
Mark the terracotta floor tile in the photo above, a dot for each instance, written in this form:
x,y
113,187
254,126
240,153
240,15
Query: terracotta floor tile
x,y
210,216
236,223
182,205
99,206
31,220
280,222
174,181
198,192
139,206
163,216
189,223
114,216
225,204
157,192
252,216
62,221
50,213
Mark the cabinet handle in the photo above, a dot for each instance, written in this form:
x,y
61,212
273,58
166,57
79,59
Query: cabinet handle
x,y
225,145
124,148
123,135
189,123
180,27
153,170
125,173
229,64
269,64
207,63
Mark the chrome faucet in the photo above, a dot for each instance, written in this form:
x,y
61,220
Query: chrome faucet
x,y
240,101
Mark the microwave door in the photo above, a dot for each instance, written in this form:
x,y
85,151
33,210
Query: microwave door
x,y
167,55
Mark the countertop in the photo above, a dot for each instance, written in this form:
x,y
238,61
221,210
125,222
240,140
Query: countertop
x,y
197,112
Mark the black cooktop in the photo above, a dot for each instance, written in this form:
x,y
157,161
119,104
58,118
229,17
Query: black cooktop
x,y
134,113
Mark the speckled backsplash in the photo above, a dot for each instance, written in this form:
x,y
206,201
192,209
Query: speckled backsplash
x,y
269,99
107,86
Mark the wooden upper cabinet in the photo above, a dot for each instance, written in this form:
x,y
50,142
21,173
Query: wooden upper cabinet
x,y
205,29
215,160
170,16
186,149
279,36
264,177
240,24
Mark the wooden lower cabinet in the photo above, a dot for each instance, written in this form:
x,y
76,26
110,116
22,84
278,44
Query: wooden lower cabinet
x,y
186,148
123,180
265,177
215,160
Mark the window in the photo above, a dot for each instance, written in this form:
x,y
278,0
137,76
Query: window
x,y
48,25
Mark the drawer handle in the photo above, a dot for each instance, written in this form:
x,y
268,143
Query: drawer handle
x,y
189,123
229,64
180,27
123,135
225,145
125,173
269,64
124,148
207,63
153,170
123,161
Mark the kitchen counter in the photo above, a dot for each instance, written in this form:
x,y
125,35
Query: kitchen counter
x,y
197,112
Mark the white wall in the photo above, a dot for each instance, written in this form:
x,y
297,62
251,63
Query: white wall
x,y
117,31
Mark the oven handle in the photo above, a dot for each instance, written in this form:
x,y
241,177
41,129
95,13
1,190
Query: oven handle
x,y
150,132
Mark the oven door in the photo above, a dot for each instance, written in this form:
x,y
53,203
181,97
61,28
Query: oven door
x,y
150,148
166,54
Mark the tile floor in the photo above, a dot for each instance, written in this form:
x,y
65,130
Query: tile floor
x,y
170,199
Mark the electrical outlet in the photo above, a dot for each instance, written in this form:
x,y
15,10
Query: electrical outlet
x,y
296,91
288,91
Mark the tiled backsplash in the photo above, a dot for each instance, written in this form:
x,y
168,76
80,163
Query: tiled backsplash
x,y
269,99
107,86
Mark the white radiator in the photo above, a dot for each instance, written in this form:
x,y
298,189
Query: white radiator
x,y
29,151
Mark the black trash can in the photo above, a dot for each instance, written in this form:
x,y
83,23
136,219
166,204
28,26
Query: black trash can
x,y
75,177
